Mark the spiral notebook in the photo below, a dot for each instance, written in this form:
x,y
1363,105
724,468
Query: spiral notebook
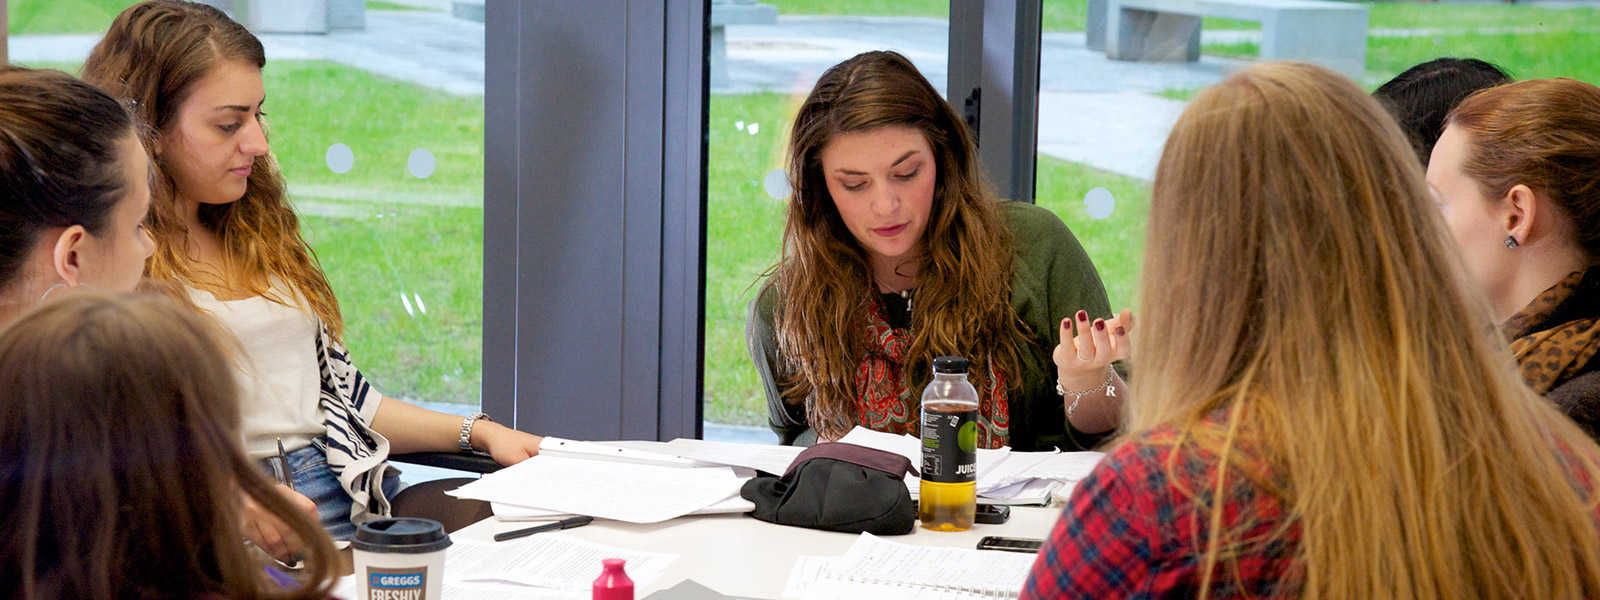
x,y
878,568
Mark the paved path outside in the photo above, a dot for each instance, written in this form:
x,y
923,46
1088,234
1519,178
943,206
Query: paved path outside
x,y
1091,110
426,47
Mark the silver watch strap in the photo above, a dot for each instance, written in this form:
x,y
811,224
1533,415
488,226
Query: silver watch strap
x,y
466,429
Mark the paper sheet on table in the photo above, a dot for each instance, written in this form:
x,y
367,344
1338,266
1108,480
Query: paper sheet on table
x,y
876,560
911,447
547,560
1031,491
611,451
513,513
807,570
1067,466
1016,468
772,459
833,589
620,491
476,591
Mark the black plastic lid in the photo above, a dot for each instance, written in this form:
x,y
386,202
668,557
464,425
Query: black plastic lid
x,y
950,364
401,535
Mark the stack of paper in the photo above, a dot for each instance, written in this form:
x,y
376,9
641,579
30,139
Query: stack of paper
x,y
878,568
549,566
1004,477
643,489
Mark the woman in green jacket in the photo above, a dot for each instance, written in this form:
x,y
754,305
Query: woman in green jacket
x,y
894,252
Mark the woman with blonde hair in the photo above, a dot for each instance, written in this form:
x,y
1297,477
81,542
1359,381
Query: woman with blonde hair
x,y
1322,411
1517,173
123,471
226,231
895,251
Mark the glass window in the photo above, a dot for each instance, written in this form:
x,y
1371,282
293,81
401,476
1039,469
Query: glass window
x,y
1102,122
376,120
771,54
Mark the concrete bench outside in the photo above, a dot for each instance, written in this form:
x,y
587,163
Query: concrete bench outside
x,y
1332,34
733,12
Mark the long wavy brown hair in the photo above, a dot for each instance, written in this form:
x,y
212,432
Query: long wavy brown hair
x,y
1545,134
153,55
1303,306
124,473
963,274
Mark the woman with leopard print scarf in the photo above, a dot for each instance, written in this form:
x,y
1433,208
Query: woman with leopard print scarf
x,y
1517,174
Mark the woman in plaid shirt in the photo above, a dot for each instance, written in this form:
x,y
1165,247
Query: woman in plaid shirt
x,y
1322,410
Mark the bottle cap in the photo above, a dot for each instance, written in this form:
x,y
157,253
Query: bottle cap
x,y
401,535
950,365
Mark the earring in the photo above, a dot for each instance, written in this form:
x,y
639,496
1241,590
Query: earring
x,y
1511,241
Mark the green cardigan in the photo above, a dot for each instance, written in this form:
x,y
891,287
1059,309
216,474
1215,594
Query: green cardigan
x,y
1053,280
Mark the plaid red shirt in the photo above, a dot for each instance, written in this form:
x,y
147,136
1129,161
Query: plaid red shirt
x,y
1131,531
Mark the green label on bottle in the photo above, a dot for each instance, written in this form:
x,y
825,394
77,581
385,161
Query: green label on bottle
x,y
949,443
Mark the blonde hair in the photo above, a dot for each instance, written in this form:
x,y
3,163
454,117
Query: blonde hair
x,y
963,277
154,54
1297,285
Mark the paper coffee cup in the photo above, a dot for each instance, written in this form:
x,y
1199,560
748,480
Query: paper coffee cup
x,y
400,559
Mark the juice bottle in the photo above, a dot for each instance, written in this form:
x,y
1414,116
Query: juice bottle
x,y
949,495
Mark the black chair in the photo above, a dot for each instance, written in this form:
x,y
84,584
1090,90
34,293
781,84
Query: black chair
x,y
428,499
461,461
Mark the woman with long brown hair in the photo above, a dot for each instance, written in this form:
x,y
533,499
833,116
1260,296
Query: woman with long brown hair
x,y
1322,409
225,230
895,251
74,190
123,473
1517,173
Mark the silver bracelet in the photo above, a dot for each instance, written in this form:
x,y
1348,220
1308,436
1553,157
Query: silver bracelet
x,y
1111,391
466,430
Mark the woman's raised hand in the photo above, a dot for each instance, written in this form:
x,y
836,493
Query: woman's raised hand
x,y
1087,348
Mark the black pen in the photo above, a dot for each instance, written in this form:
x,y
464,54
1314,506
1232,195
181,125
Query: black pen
x,y
280,467
556,526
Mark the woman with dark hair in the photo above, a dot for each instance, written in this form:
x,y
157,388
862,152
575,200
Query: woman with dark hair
x,y
225,231
895,251
1321,413
1423,95
1517,173
123,471
74,190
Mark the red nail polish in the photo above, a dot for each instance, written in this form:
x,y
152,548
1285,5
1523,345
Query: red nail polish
x,y
1121,331
1083,315
1099,325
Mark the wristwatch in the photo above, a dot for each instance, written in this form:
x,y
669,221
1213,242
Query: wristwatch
x,y
466,430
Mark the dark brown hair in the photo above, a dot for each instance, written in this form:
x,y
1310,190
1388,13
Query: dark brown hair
x,y
1542,133
58,159
123,468
153,55
1422,96
963,275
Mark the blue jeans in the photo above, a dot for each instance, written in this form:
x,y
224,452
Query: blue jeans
x,y
314,479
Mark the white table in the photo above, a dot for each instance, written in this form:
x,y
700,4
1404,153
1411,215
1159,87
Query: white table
x,y
741,556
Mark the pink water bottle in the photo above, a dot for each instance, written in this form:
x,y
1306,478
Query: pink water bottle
x,y
613,583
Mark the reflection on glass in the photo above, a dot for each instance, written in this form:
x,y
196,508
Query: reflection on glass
x,y
340,158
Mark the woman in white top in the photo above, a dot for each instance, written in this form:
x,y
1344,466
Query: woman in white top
x,y
225,229
74,190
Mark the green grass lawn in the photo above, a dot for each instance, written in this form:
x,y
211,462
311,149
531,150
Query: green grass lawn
x,y
1558,53
1069,15
426,242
